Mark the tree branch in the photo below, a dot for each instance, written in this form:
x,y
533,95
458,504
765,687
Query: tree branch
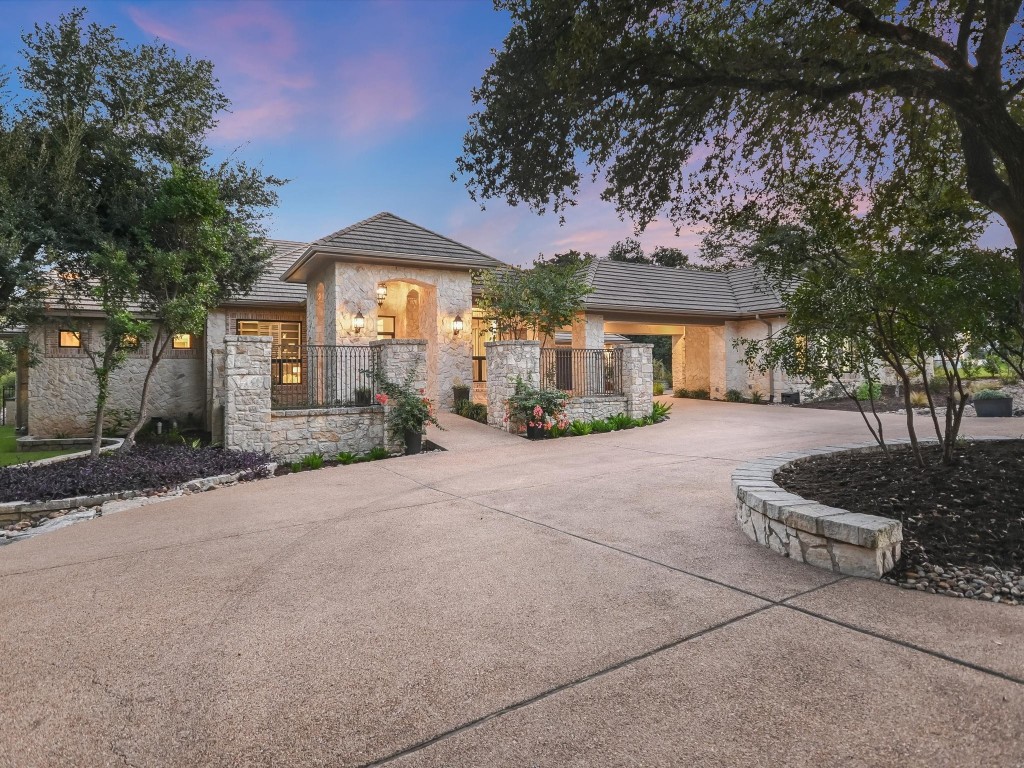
x,y
912,37
963,38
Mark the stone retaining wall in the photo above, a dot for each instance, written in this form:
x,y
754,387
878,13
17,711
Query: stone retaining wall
x,y
297,433
835,539
251,425
506,362
594,408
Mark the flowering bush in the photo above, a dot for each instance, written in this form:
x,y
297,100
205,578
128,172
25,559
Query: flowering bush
x,y
532,407
410,410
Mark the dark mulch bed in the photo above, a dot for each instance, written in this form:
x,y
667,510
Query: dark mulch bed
x,y
971,514
146,467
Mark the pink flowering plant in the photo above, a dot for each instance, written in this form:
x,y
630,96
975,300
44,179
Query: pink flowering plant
x,y
538,408
408,408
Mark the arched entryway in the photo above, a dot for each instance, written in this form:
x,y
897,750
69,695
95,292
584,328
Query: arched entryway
x,y
409,311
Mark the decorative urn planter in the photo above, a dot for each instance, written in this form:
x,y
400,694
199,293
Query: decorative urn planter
x,y
413,442
536,433
993,406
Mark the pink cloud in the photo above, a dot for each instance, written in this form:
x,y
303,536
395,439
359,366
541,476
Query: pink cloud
x,y
277,87
376,92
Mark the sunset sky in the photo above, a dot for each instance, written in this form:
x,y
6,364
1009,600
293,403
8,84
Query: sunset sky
x,y
362,105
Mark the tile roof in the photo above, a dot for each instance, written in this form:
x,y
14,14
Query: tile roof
x,y
646,288
269,288
390,235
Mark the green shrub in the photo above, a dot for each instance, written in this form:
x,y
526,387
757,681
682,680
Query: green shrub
x,y
989,394
700,394
580,428
681,392
313,461
660,411
295,466
470,410
621,421
601,425
868,391
346,458
377,453
557,431
756,397
734,396
659,388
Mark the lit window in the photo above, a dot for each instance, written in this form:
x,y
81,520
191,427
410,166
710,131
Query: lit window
x,y
129,341
181,341
385,327
70,339
286,349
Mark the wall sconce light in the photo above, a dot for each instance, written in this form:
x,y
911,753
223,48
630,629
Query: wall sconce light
x,y
457,325
358,322
382,294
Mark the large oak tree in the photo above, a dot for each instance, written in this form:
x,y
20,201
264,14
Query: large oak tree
x,y
698,107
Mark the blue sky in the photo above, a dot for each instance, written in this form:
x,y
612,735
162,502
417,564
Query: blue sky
x,y
362,105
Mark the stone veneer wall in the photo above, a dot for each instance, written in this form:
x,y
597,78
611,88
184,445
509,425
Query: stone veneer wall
x,y
61,392
507,361
349,288
594,408
826,537
638,379
251,425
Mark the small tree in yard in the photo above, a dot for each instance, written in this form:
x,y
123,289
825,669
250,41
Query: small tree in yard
x,y
899,285
193,255
533,303
123,331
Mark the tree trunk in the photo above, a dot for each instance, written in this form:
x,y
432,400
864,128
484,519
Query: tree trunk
x,y
159,347
103,386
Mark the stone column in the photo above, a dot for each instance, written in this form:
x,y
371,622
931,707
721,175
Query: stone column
x,y
215,412
717,362
587,370
638,378
679,361
506,362
21,390
398,358
247,393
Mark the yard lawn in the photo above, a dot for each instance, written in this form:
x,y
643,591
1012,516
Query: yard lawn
x,y
9,453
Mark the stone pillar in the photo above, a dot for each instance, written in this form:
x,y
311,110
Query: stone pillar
x,y
717,362
21,390
215,406
398,358
588,331
247,393
507,361
638,378
679,361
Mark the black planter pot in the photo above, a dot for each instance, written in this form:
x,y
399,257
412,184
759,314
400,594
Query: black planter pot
x,y
994,406
536,433
413,442
460,393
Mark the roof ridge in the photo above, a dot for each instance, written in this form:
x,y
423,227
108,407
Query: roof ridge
x,y
344,230
432,232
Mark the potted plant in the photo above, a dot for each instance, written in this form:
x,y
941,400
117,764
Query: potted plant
x,y
460,391
992,402
408,412
362,396
535,410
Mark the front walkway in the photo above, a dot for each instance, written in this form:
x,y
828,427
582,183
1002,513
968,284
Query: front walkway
x,y
582,602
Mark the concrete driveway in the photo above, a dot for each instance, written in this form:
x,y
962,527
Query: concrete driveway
x,y
583,602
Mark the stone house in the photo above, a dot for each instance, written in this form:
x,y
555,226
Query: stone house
x,y
319,306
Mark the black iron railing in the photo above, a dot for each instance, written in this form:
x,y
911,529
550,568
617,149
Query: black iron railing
x,y
325,376
582,372
5,397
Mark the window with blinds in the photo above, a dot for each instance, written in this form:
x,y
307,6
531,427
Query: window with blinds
x,y
286,350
